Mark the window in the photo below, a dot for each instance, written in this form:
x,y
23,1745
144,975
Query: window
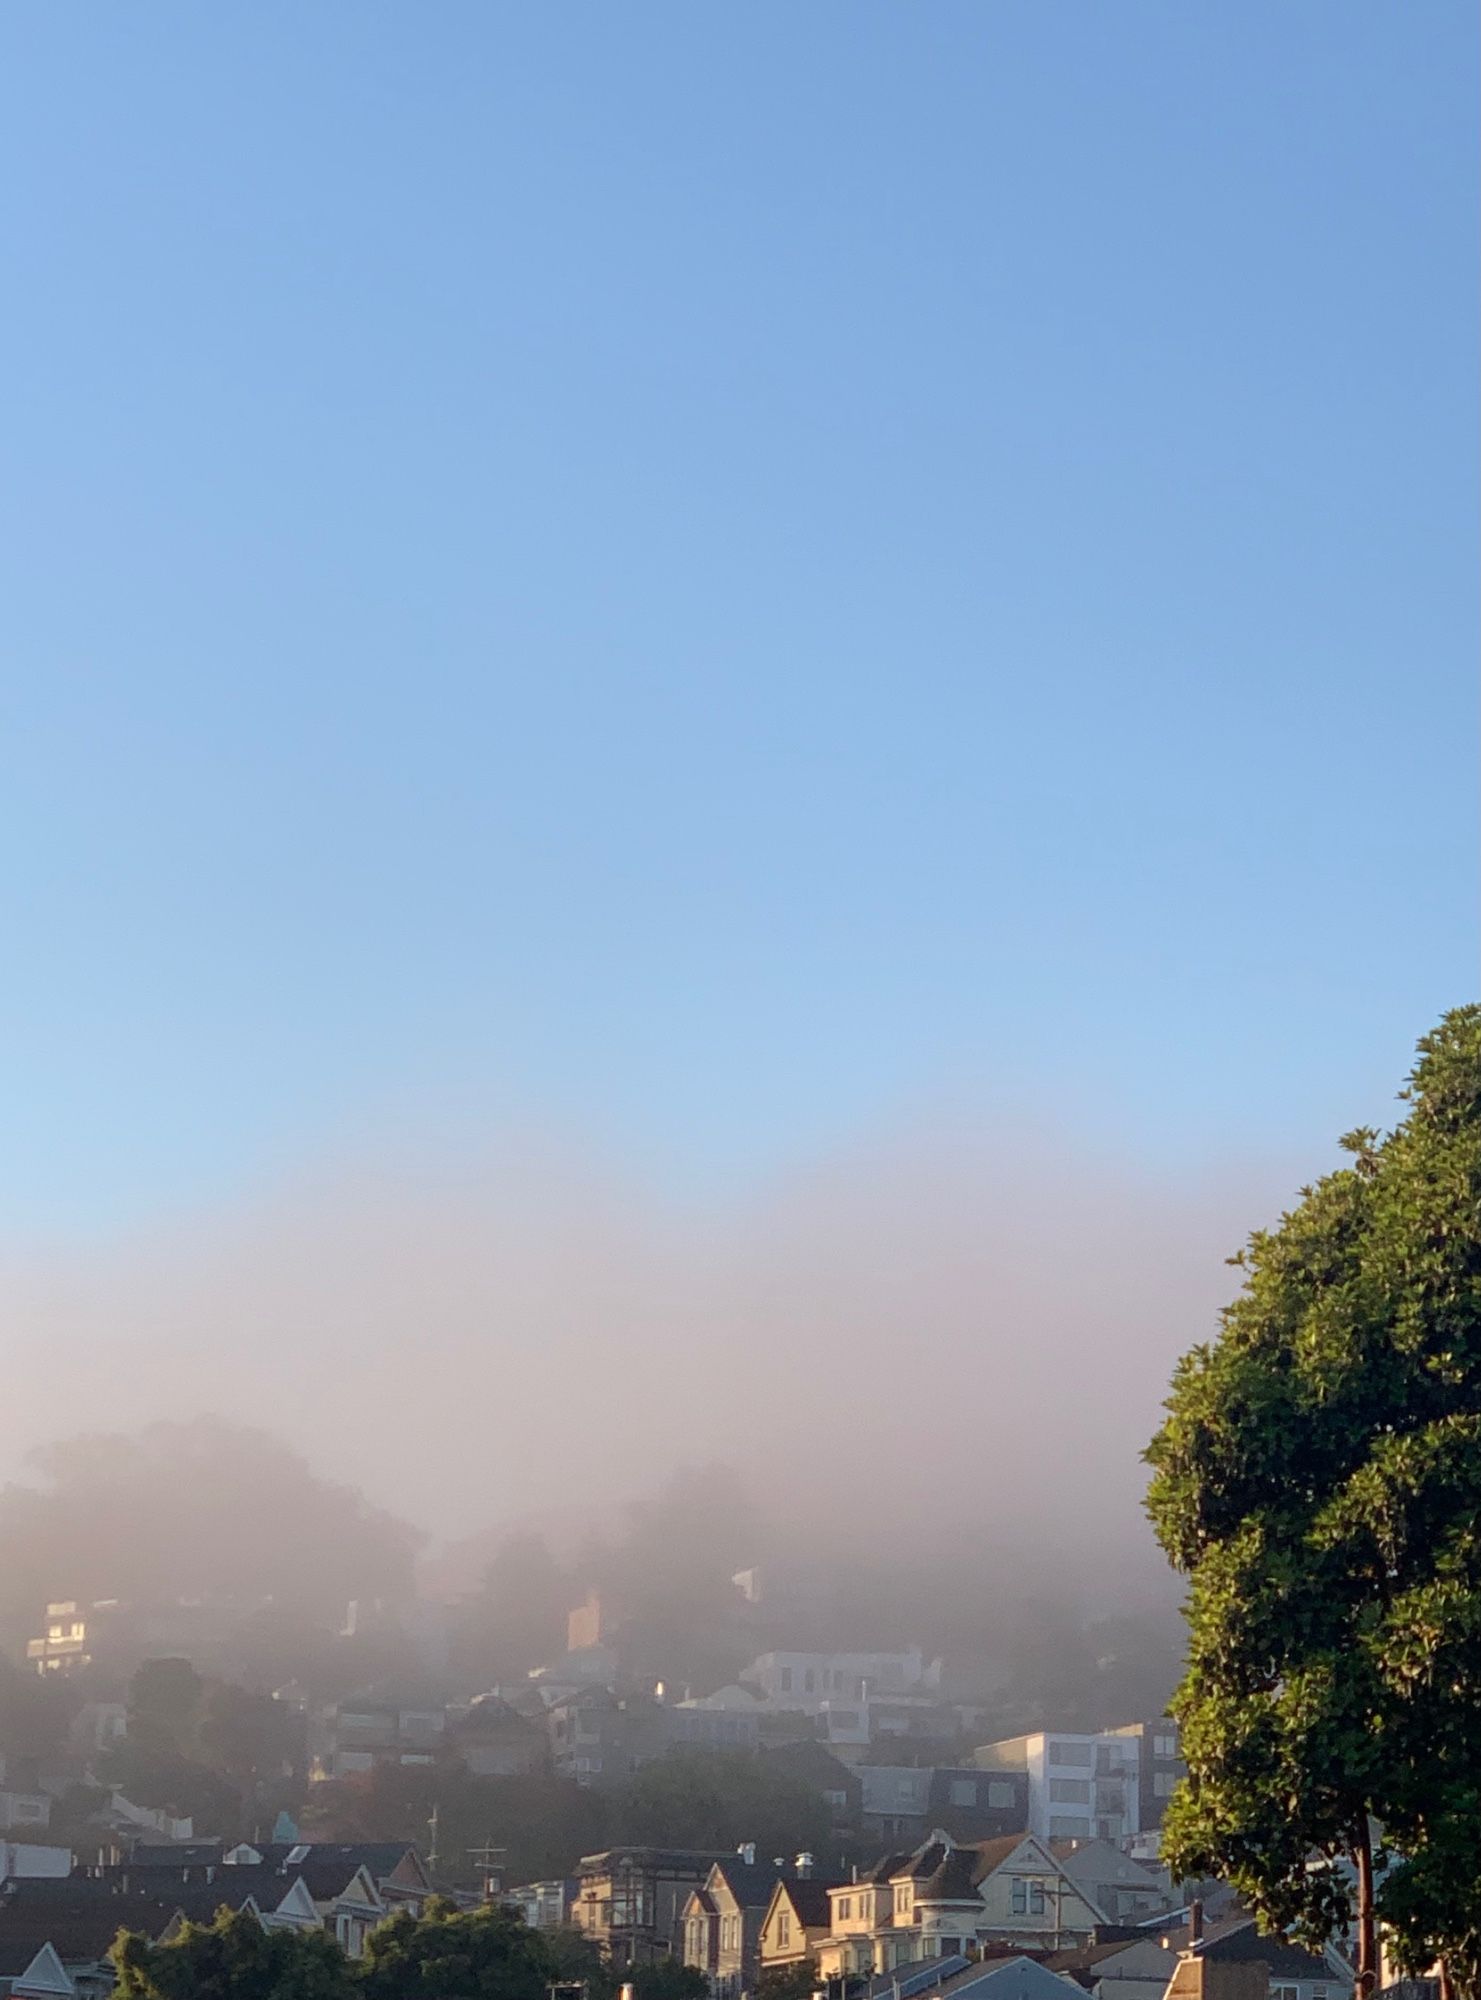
x,y
1081,1755
1000,1792
902,1900
808,1681
1285,1993
1020,1896
845,1906
1036,1899
1069,1791
1164,1746
964,1791
784,1680
783,1927
1162,1784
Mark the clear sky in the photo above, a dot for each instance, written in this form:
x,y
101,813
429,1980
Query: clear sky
x,y
709,572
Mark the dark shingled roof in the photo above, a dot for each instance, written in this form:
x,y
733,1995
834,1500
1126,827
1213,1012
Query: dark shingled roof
x,y
991,1854
176,1853
924,1862
750,1882
954,1881
887,1866
810,1900
1245,1943
381,1857
79,1917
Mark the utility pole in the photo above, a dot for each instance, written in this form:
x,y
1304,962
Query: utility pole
x,y
489,1861
432,1854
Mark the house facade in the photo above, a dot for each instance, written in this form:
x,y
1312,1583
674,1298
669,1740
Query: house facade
x,y
1081,1786
630,1901
810,1681
947,1899
1127,1890
796,1924
723,1919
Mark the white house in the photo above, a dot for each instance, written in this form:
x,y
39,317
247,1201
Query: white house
x,y
810,1681
1080,1786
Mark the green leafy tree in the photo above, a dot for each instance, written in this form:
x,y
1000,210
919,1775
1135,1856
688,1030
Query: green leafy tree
x,y
233,1958
1318,1480
669,1979
207,1748
789,1982
164,1702
720,1799
447,1954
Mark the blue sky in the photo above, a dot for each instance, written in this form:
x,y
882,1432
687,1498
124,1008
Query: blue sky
x,y
712,573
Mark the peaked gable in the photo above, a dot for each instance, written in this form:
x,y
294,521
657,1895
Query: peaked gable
x,y
296,1905
43,1978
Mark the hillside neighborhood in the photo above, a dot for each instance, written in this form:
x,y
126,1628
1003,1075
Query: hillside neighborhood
x,y
940,1861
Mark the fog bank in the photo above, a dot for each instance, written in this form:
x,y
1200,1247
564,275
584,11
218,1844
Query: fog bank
x,y
951,1336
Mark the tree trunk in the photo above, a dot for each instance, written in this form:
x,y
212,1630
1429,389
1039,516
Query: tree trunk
x,y
1367,1968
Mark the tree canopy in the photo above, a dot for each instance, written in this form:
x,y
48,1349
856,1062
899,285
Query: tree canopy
x,y
1318,1480
233,1958
448,1954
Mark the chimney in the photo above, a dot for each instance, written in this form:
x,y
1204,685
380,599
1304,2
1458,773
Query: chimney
x,y
747,1852
1195,1923
803,1865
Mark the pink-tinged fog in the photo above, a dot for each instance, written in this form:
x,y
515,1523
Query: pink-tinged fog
x,y
947,1331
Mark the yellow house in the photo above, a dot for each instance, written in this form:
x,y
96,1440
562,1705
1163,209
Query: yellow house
x,y
796,1923
945,1899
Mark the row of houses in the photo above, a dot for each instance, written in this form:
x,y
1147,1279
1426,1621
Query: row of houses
x,y
1085,1909
1112,1784
56,1927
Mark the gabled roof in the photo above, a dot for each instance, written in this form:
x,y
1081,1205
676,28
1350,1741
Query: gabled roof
x,y
991,1854
230,1888
331,1881
808,1898
924,1977
700,1903
924,1862
1016,1978
883,1870
749,1882
1089,1957
382,1858
1103,1860
953,1881
41,1973
1244,1943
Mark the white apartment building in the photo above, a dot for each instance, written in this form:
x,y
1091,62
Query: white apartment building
x,y
1080,1787
814,1682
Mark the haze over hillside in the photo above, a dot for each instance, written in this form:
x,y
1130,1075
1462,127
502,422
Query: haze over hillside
x,y
951,1339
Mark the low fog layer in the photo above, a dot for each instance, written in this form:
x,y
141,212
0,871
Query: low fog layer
x,y
948,1341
